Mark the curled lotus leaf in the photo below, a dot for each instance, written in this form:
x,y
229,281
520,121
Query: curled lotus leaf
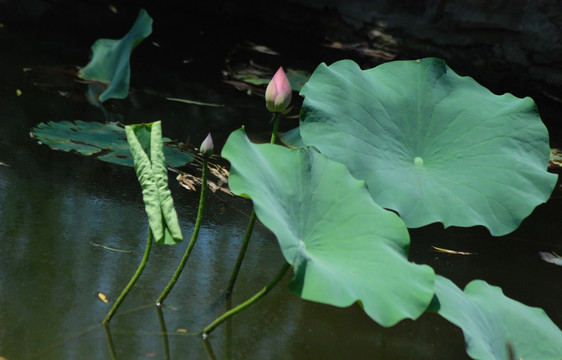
x,y
494,324
344,247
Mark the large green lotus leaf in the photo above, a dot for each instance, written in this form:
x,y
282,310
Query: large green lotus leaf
x,y
110,59
107,142
432,145
344,247
492,322
145,141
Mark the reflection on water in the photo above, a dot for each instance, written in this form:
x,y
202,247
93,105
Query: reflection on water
x,y
56,208
52,272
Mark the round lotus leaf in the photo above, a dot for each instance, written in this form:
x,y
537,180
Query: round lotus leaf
x,y
432,145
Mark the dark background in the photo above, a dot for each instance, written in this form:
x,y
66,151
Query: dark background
x,y
507,45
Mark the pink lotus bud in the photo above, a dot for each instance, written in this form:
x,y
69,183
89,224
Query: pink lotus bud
x,y
207,146
278,93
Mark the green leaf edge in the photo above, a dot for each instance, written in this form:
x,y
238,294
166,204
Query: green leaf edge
x,y
474,308
106,66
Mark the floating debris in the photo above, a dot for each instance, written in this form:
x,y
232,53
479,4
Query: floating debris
x,y
110,248
552,258
454,252
555,158
103,297
193,102
217,181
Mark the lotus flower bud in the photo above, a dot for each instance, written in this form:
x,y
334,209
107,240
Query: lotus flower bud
x,y
207,146
278,93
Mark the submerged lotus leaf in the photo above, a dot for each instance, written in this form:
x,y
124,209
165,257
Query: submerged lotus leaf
x,y
110,59
344,247
492,322
432,145
107,142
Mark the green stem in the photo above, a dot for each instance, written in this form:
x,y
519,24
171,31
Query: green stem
x,y
241,253
110,342
228,330
251,223
164,332
209,350
248,302
275,127
133,279
193,237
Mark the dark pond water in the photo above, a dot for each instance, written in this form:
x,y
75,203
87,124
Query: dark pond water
x,y
57,207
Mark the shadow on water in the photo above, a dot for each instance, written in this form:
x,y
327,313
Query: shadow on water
x,y
74,227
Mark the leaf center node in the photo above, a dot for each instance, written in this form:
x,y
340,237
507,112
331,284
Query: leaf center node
x,y
418,161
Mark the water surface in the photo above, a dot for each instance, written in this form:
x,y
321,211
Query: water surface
x,y
58,208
